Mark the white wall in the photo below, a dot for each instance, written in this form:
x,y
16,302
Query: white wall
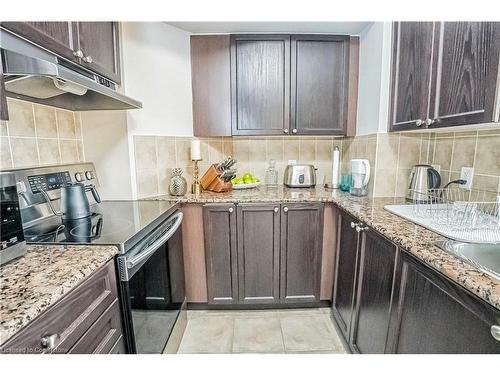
x,y
157,67
374,70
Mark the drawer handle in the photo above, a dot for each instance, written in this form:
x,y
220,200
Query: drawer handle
x,y
50,341
495,332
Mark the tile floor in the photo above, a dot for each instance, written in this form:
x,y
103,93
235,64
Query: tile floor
x,y
298,331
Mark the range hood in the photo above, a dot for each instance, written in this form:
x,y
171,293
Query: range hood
x,y
34,74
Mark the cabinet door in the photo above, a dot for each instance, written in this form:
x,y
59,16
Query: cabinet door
x,y
319,84
466,73
57,37
260,84
99,43
374,289
433,315
412,56
210,71
301,241
219,223
258,253
345,272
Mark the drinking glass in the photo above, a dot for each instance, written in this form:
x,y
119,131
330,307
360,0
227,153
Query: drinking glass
x,y
345,182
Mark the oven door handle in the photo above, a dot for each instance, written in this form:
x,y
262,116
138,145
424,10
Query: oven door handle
x,y
145,254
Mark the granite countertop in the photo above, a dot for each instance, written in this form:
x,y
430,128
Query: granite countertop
x,y
415,239
31,284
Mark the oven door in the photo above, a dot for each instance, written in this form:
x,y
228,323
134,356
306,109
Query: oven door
x,y
152,287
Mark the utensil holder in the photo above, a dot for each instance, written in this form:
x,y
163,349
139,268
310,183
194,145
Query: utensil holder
x,y
211,181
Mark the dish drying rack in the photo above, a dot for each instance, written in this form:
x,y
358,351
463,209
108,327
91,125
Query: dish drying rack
x,y
458,214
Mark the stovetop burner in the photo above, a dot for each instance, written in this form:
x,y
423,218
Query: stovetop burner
x,y
111,223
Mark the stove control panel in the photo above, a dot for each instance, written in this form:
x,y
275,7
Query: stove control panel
x,y
48,182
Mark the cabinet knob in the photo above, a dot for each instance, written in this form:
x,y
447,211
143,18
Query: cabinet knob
x,y
50,341
294,131
231,210
495,332
276,209
78,54
285,209
429,122
419,122
360,229
88,59
285,131
353,224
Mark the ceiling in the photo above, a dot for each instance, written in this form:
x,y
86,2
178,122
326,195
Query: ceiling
x,y
283,27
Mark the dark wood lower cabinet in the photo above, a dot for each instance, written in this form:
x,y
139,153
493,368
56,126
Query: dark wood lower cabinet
x,y
301,241
373,296
258,253
387,301
263,253
430,314
345,272
219,224
87,320
103,335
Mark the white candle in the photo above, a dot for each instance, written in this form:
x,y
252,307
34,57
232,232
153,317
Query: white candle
x,y
195,149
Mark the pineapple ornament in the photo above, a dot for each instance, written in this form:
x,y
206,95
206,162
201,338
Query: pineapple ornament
x,y
178,184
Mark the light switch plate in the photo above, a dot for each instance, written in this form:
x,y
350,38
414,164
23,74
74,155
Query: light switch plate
x,y
466,174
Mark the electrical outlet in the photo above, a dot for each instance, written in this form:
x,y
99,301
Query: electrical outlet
x,y
437,167
466,174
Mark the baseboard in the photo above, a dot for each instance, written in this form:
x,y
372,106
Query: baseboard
x,y
304,305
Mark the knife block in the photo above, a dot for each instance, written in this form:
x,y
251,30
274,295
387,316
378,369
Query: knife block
x,y
211,181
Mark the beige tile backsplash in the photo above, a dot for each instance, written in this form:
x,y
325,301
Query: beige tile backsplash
x,y
38,135
391,156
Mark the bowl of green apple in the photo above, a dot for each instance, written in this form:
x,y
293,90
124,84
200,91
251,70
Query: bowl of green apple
x,y
247,181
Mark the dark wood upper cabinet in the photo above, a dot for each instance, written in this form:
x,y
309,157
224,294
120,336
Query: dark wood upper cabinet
x,y
466,73
219,225
92,45
301,245
57,37
319,84
345,272
373,295
444,74
211,74
258,253
260,84
411,74
98,42
430,314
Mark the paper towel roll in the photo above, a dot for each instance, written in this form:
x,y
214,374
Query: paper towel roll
x,y
335,167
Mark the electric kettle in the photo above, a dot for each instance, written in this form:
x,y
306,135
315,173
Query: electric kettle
x,y
74,202
422,178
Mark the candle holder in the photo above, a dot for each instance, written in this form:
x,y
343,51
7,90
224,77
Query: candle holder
x,y
196,186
